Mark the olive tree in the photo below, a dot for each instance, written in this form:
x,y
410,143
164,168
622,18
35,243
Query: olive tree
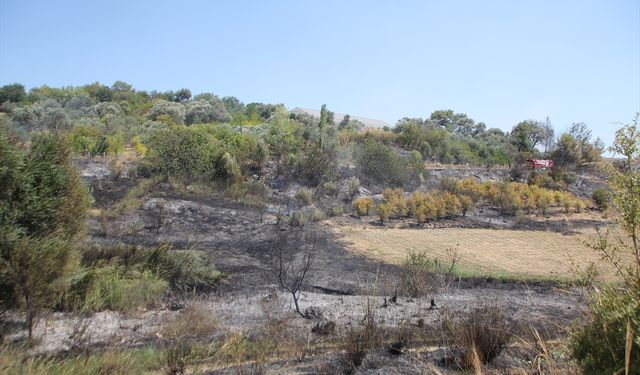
x,y
203,111
173,110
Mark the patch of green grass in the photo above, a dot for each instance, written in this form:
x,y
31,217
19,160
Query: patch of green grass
x,y
138,361
468,272
125,277
112,287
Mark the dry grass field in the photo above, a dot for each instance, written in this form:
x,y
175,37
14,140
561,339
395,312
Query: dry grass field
x,y
516,253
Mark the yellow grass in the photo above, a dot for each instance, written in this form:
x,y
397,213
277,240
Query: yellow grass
x,y
535,254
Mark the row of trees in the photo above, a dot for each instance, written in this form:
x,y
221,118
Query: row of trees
x,y
458,197
450,137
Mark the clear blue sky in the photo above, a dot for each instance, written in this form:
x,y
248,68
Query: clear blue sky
x,y
497,61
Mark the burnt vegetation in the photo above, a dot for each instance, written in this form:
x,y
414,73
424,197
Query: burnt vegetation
x,y
202,221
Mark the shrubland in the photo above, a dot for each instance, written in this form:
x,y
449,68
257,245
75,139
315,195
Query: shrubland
x,y
233,146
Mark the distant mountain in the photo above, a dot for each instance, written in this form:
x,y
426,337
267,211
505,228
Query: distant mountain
x,y
368,122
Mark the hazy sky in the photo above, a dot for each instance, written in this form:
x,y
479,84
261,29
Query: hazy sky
x,y
497,61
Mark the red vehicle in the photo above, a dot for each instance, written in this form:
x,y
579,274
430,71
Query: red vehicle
x,y
540,164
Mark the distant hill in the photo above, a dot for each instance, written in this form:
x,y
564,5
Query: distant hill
x,y
368,122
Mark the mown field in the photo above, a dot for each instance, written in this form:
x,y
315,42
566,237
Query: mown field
x,y
509,253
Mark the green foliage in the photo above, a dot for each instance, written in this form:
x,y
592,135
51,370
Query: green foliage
x,y
384,212
126,362
115,143
576,149
298,219
13,93
229,167
380,164
140,147
450,137
88,140
353,187
608,339
116,288
37,270
42,208
526,136
183,153
185,270
206,111
175,111
601,198
316,166
599,343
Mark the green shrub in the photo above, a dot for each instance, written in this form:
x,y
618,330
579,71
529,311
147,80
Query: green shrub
x,y
383,210
88,140
601,199
253,193
599,341
183,153
381,165
316,166
190,271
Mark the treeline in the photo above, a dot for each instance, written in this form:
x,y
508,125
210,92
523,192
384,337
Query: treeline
x,y
215,137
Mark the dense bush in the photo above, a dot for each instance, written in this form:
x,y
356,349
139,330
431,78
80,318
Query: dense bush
x,y
380,164
362,205
396,201
599,343
601,198
183,153
42,205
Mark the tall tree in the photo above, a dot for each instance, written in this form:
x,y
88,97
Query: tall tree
x,y
527,135
13,93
